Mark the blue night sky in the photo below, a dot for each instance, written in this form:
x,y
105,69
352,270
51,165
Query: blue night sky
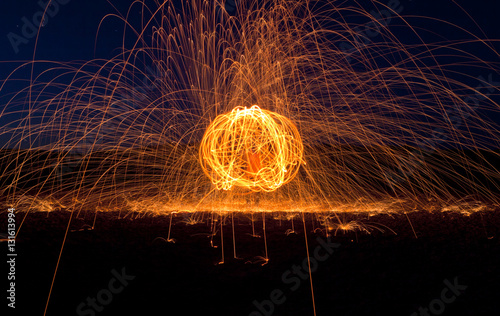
x,y
70,34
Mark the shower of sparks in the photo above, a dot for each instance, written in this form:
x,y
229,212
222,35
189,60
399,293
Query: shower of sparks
x,y
170,124
172,117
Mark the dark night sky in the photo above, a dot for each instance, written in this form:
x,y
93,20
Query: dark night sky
x,y
70,34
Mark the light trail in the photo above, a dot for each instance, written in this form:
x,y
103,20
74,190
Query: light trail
x,y
251,148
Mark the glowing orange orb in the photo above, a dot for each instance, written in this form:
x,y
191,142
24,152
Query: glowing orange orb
x,y
251,148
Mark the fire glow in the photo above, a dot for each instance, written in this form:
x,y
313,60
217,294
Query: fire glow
x,y
251,148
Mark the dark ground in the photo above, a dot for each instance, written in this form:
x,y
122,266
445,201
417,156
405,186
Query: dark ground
x,y
368,274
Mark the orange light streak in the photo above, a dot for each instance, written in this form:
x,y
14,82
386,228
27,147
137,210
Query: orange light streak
x,y
251,148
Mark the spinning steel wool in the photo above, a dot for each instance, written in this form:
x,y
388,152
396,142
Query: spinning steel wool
x,y
251,148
